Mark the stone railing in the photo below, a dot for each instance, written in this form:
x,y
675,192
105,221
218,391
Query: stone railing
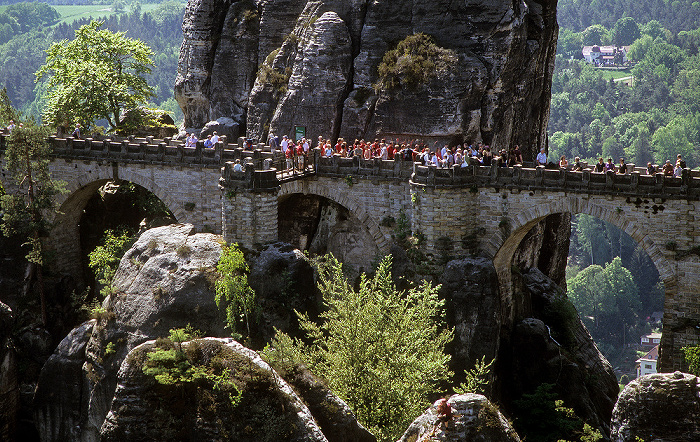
x,y
632,184
160,151
337,166
248,178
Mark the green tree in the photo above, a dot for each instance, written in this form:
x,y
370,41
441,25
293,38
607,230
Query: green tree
x,y
233,294
595,35
96,75
380,349
27,158
104,259
625,32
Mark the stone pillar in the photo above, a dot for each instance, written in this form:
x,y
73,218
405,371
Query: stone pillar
x,y
249,217
681,322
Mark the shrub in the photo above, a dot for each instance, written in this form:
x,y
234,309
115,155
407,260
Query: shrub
x,y
415,61
104,259
379,349
233,294
477,379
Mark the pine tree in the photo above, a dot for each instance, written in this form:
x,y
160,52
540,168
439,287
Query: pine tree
x,y
23,214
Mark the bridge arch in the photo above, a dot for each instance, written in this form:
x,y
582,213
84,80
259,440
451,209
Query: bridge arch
x,y
503,244
64,238
344,199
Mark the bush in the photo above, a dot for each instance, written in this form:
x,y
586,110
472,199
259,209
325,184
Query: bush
x,y
415,61
233,294
104,259
379,349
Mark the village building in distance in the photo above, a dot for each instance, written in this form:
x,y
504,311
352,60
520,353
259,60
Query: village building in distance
x,y
606,56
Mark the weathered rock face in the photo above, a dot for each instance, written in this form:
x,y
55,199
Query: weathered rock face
x,y
267,409
658,407
9,385
322,226
555,347
60,394
274,64
163,282
283,281
474,419
470,289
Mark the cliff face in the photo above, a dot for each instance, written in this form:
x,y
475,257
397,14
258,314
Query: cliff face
x,y
275,64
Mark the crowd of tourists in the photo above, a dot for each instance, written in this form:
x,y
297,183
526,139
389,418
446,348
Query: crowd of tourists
x,y
460,155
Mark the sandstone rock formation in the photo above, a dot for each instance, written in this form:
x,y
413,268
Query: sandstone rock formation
x,y
554,347
658,407
59,408
9,385
163,282
470,289
267,410
475,419
274,64
283,281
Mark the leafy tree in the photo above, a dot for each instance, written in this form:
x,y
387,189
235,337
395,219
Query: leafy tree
x,y
233,294
595,35
625,32
380,349
27,158
96,75
477,379
104,259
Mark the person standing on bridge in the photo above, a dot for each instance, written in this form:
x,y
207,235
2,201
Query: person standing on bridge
x,y
76,131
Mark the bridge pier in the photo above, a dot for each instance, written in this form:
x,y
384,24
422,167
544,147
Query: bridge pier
x,y
249,205
681,320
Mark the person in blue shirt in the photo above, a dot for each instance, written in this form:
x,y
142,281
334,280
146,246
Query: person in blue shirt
x,y
541,159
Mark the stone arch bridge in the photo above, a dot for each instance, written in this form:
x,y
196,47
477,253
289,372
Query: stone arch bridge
x,y
489,209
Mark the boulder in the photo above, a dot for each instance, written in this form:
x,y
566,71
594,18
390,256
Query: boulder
x,y
658,407
474,419
223,126
245,401
165,281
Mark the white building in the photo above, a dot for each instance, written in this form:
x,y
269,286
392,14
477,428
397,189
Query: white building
x,y
647,363
605,55
650,340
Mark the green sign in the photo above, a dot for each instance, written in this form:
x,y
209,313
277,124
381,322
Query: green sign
x,y
299,132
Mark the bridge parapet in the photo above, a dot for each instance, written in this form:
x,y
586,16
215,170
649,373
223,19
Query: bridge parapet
x,y
634,184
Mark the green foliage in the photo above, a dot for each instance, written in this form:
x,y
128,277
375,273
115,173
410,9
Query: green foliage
x,y
170,365
27,159
544,418
415,61
380,349
692,357
233,294
477,379
609,295
96,75
625,32
104,259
